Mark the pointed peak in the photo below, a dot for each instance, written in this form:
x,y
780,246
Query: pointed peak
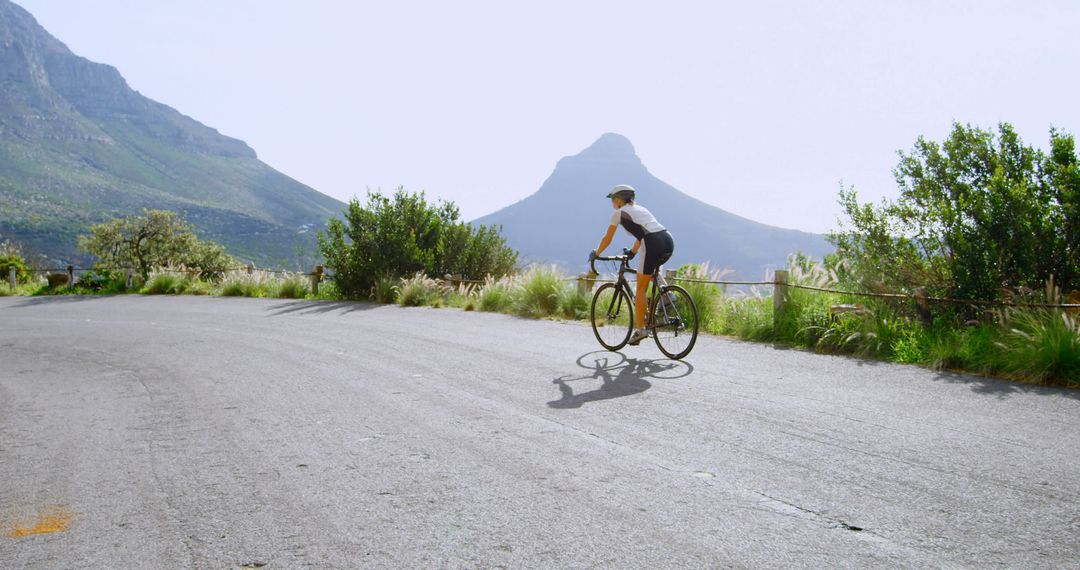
x,y
610,148
611,145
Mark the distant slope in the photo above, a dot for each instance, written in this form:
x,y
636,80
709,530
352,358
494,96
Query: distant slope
x,y
78,146
566,218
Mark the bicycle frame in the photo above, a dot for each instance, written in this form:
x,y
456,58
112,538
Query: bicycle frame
x,y
658,282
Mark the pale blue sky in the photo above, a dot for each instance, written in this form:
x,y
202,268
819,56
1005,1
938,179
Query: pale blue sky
x,y
760,108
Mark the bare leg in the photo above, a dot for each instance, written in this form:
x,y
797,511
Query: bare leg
x,y
640,300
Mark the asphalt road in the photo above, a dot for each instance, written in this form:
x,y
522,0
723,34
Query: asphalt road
x,y
157,432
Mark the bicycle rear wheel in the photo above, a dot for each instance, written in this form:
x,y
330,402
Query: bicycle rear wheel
x,y
612,316
675,321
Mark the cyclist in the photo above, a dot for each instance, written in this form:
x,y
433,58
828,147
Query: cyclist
x,y
649,235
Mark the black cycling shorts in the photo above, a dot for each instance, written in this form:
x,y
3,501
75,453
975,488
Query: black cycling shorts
x,y
658,248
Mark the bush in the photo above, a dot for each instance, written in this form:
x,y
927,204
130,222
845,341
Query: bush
x,y
57,280
291,286
1041,345
706,296
385,290
419,291
9,261
199,287
538,293
496,295
404,235
978,214
153,239
103,281
465,297
242,284
328,291
165,283
574,304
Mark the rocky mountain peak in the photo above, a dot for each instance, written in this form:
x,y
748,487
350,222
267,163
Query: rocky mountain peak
x,y
610,148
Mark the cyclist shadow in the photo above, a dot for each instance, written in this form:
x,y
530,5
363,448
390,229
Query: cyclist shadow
x,y
620,376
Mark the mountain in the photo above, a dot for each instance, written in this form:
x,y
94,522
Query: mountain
x,y
78,146
566,218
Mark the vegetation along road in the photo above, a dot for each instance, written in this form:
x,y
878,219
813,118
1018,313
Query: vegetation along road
x,y
210,433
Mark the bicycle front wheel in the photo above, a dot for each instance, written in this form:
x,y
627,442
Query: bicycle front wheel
x,y
675,321
612,316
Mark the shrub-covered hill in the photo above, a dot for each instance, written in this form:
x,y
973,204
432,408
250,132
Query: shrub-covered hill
x,y
78,146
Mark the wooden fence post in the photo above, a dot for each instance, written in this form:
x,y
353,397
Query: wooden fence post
x,y
11,277
922,306
583,284
316,276
669,275
71,277
250,268
780,292
128,283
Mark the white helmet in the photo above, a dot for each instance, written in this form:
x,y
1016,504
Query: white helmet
x,y
624,191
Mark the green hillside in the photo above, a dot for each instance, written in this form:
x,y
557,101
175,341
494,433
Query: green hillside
x,y
78,146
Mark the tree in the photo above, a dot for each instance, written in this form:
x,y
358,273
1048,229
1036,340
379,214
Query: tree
x,y
978,214
403,234
11,257
154,239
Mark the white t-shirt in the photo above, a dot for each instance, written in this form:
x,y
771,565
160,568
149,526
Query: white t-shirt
x,y
636,220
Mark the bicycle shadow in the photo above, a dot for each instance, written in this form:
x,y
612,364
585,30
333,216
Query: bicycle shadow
x,y
619,376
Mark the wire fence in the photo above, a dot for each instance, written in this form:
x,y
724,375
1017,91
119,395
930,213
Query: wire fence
x,y
905,296
74,269
456,281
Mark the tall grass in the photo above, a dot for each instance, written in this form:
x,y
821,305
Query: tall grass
x,y
496,296
290,286
240,284
166,283
420,290
465,297
538,293
707,296
1042,345
385,290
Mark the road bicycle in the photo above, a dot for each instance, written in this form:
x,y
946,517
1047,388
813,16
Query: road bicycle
x,y
672,317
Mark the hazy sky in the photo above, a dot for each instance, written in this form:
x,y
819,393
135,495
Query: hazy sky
x,y
760,108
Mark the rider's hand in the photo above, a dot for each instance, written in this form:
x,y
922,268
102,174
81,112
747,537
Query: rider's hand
x,y
592,256
629,253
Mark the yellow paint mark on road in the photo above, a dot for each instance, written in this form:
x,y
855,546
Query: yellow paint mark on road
x,y
55,519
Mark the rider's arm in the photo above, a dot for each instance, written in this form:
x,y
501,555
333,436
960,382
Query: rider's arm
x,y
607,239
637,246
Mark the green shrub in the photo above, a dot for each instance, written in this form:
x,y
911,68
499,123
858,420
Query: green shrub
x,y
403,234
291,286
419,291
1041,345
749,317
12,260
103,281
199,287
706,296
466,297
242,284
159,284
155,238
574,304
385,290
166,283
538,293
328,291
496,295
